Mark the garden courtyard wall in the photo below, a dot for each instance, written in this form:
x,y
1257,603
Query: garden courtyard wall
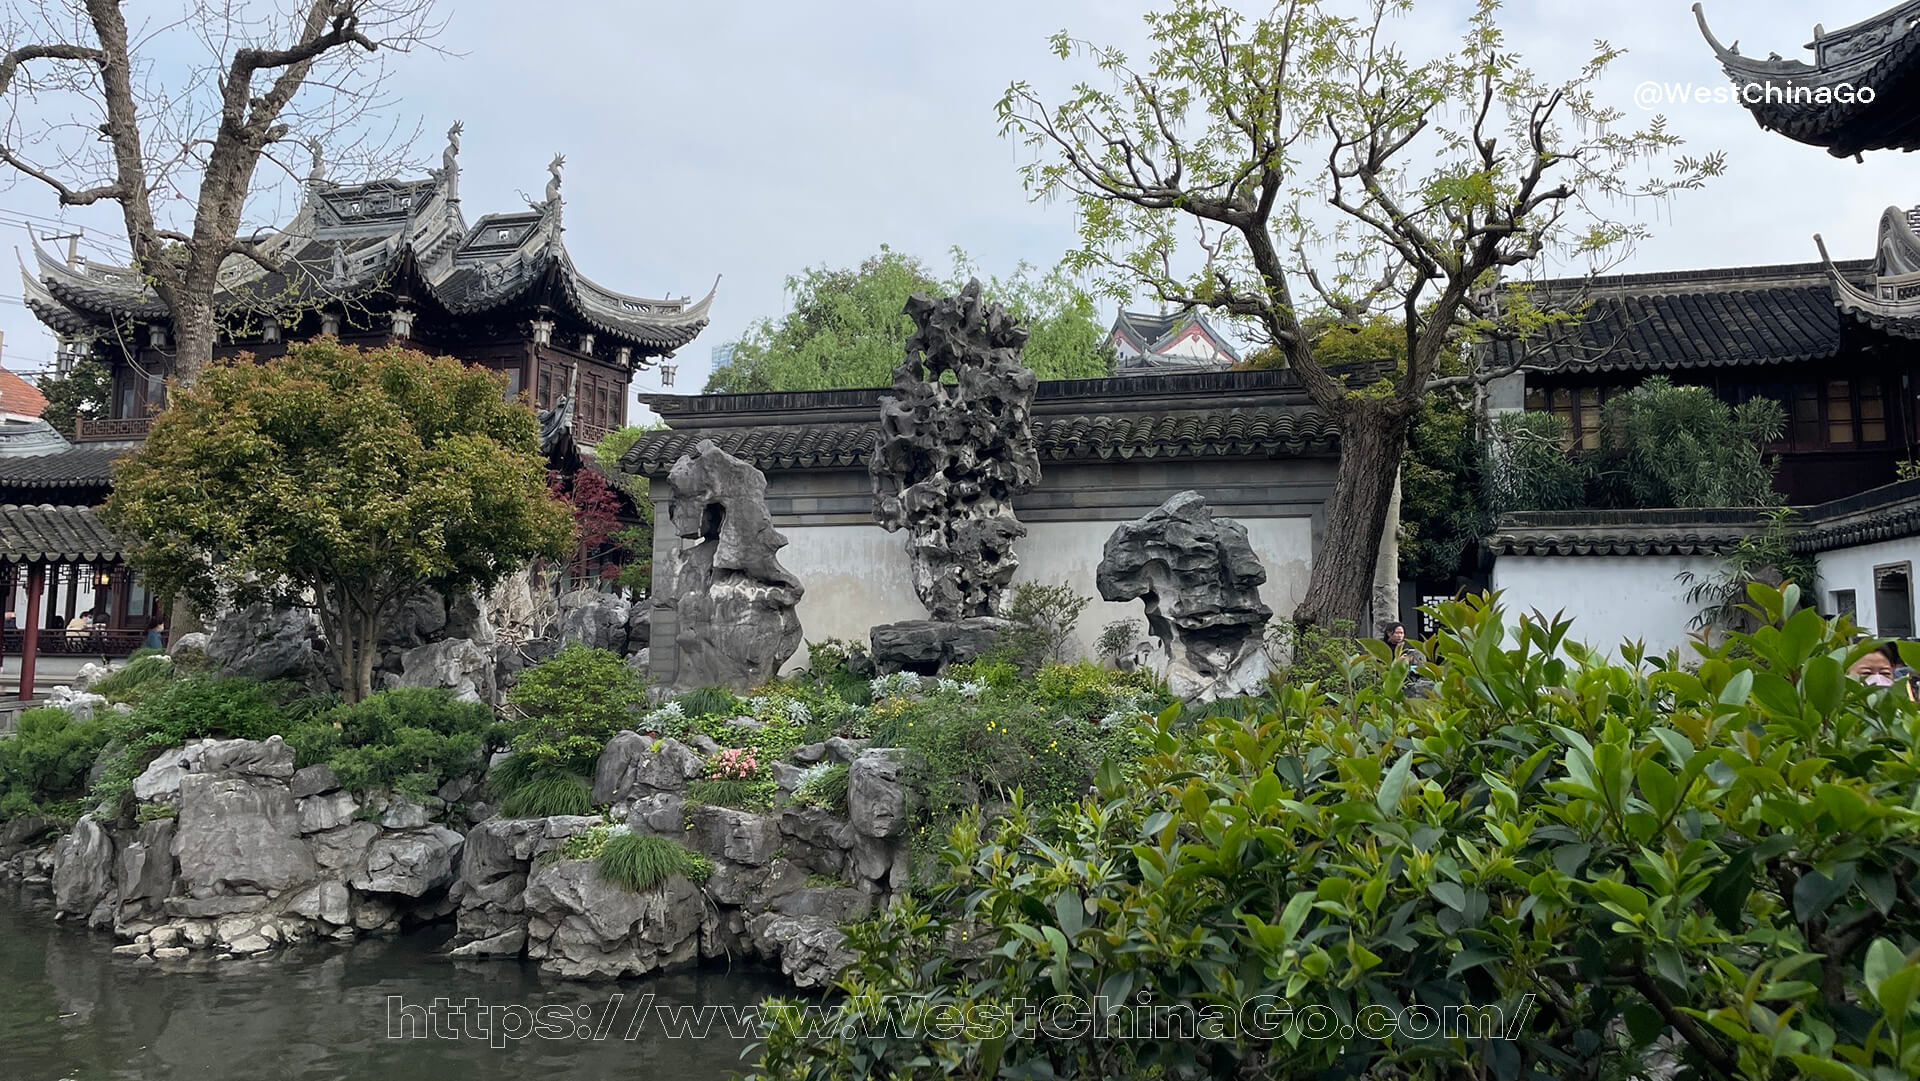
x,y
1111,450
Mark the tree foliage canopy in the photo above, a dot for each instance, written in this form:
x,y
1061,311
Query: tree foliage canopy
x,y
848,326
1300,163
338,478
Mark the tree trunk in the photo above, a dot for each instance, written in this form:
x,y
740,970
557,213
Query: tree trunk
x,y
193,330
1373,437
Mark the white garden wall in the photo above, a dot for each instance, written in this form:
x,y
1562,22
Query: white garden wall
x,y
1611,599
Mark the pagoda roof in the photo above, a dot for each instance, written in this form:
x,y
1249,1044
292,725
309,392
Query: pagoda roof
x,y
1150,333
55,534
1816,104
407,238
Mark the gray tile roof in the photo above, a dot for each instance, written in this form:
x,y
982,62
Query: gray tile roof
x,y
1200,433
50,534
1692,319
79,466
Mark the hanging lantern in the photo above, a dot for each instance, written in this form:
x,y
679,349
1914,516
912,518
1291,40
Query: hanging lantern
x,y
402,323
666,375
543,332
156,336
270,331
586,344
330,323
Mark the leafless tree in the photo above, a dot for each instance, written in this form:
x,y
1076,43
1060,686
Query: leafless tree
x,y
171,119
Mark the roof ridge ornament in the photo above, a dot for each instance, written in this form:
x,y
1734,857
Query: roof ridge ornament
x,y
450,163
317,172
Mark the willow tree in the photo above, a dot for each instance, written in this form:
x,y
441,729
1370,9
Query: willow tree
x,y
170,119
1303,164
338,479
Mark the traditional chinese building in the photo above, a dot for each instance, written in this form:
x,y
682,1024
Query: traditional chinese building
x,y
1184,341
1832,342
1857,95
379,262
388,261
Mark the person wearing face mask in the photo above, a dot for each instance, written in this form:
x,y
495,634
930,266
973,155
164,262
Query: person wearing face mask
x,y
1874,669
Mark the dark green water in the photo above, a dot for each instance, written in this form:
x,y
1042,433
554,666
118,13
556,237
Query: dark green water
x,y
70,1011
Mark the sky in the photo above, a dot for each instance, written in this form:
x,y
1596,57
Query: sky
x,y
748,140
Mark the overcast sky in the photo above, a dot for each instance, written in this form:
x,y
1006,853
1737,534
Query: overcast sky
x,y
750,139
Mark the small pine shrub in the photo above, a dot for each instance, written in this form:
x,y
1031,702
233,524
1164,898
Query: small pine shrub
x,y
412,739
46,761
642,861
566,708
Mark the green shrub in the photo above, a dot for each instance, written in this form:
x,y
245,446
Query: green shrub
x,y
44,765
963,751
1116,638
142,675
566,708
1652,869
412,739
1043,620
1084,689
642,861
824,786
1332,657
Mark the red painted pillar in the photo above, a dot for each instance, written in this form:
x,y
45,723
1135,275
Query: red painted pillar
x,y
30,629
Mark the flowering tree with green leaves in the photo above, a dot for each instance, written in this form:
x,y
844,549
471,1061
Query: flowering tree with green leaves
x,y
1303,164
339,479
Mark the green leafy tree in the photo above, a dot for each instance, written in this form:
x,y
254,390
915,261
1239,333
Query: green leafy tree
x,y
847,327
1443,509
86,390
340,479
637,539
1327,171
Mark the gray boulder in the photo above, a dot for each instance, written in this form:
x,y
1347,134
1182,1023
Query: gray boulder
x,y
735,601
740,836
455,664
930,646
146,868
267,643
582,926
83,869
412,864
812,949
631,765
419,619
639,626
595,619
1200,583
876,796
269,759
238,836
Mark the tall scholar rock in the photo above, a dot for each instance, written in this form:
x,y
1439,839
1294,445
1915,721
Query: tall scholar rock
x,y
950,459
1201,584
736,602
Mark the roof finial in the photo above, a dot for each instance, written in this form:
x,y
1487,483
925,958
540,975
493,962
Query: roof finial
x,y
339,264
317,174
450,163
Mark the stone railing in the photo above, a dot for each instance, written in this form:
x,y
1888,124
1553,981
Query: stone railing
x,y
102,429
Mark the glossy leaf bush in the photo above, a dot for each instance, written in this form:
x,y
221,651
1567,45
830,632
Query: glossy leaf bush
x,y
1699,867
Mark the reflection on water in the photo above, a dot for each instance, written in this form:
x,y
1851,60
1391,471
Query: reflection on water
x,y
71,1010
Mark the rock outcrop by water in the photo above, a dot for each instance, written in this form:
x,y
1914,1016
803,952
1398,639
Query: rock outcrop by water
x,y
241,854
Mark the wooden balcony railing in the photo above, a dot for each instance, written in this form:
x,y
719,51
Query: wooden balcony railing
x,y
92,642
101,429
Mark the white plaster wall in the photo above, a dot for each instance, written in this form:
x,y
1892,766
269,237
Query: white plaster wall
x,y
1852,568
1611,599
857,576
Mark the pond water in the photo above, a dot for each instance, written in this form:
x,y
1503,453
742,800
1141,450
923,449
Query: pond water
x,y
71,1011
